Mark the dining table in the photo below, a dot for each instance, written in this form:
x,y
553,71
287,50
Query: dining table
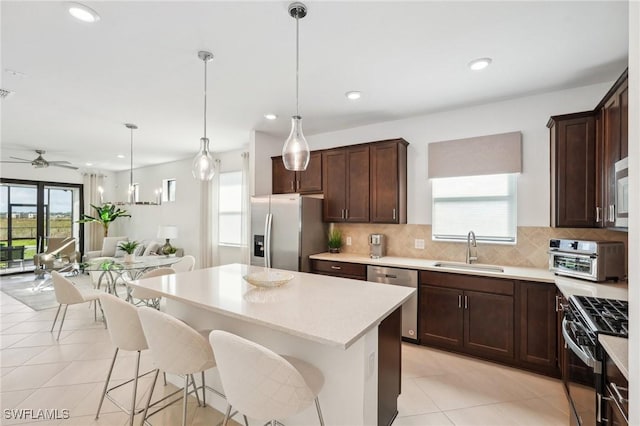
x,y
110,270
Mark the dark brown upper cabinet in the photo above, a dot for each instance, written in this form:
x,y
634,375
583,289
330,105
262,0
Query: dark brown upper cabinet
x,y
285,181
573,171
388,181
345,181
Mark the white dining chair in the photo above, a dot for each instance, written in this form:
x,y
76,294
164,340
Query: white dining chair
x,y
261,384
186,264
176,348
145,296
126,334
68,294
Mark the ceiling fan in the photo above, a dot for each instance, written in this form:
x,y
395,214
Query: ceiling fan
x,y
40,162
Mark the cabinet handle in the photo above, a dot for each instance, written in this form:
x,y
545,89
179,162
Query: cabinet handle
x,y
466,302
459,301
557,304
598,218
394,214
342,214
346,213
336,267
293,186
298,185
615,388
612,213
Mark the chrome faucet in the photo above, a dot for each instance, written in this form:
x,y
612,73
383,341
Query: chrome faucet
x,y
471,242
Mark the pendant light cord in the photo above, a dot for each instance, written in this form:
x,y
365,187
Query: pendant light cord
x,y
297,63
205,98
131,166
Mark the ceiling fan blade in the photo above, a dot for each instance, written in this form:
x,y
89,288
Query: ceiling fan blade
x,y
62,165
17,162
58,162
23,159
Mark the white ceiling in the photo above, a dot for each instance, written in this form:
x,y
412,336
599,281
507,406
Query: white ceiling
x,y
80,82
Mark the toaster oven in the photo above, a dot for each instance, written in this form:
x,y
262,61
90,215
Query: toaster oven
x,y
589,260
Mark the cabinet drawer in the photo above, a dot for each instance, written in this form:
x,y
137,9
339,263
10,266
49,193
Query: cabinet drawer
x,y
467,282
343,269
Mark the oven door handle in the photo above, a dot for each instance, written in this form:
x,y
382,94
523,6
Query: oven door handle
x,y
584,356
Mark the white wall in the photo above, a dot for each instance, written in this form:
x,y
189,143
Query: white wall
x,y
527,114
634,212
261,148
184,212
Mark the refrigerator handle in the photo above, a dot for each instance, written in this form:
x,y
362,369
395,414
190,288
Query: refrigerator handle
x,y
267,240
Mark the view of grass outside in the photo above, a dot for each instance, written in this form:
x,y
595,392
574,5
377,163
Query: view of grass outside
x,y
24,232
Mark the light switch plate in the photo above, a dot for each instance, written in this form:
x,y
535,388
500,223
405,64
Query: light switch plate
x,y
348,241
419,243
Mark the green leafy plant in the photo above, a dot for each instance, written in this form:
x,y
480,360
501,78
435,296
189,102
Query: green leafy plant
x,y
105,214
335,239
129,246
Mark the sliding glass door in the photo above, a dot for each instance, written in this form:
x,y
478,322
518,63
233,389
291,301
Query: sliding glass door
x,y
31,212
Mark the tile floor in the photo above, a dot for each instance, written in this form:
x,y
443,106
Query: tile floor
x,y
438,388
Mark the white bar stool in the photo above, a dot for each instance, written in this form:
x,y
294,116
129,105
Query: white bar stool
x,y
186,264
176,348
147,297
68,294
262,384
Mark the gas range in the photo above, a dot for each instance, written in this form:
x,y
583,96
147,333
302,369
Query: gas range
x,y
603,316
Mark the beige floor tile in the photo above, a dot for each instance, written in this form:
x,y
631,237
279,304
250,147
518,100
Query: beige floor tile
x,y
108,419
88,404
18,316
5,370
483,415
560,403
59,353
31,376
91,335
8,340
80,372
100,350
414,401
28,327
10,400
433,419
14,357
536,383
533,412
15,308
39,339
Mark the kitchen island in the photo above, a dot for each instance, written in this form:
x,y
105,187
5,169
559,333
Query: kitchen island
x,y
349,329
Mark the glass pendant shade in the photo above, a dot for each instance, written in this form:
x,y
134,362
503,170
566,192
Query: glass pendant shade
x,y
203,167
295,152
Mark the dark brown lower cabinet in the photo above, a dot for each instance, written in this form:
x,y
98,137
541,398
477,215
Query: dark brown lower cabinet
x,y
488,324
441,316
354,271
389,364
616,395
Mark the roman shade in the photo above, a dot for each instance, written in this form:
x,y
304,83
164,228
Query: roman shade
x,y
482,155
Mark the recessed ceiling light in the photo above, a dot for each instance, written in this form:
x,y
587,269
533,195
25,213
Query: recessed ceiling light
x,y
270,116
120,156
89,164
83,13
479,64
353,95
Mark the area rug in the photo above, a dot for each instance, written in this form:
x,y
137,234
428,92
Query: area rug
x,y
23,287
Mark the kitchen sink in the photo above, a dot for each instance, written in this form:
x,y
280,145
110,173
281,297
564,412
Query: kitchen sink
x,y
469,266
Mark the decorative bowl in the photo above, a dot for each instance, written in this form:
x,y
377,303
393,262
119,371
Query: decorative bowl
x,y
268,278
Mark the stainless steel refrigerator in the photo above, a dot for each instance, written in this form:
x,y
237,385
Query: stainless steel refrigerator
x,y
285,230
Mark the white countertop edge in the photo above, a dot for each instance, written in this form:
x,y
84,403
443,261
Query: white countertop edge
x,y
510,272
575,287
340,344
618,350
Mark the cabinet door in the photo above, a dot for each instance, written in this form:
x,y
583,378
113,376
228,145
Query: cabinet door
x,y
334,177
311,179
283,181
611,116
488,324
388,176
537,323
441,316
573,174
624,121
357,169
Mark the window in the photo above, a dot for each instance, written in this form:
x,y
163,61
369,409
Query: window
x,y
485,205
168,190
230,209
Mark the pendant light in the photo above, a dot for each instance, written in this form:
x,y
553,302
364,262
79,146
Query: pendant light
x,y
203,165
295,152
131,196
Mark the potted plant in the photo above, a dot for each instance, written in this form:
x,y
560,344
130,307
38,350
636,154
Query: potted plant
x,y
335,240
171,251
105,214
129,247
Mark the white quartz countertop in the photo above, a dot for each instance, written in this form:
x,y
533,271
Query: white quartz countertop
x,y
324,309
510,272
574,287
618,350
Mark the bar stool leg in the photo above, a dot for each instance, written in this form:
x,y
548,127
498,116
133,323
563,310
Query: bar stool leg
x,y
319,411
64,314
146,407
204,391
56,318
227,414
195,389
135,388
184,400
106,383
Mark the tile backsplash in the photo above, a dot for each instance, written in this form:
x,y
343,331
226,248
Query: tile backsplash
x,y
530,250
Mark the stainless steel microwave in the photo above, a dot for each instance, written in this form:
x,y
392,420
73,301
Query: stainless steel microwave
x,y
620,211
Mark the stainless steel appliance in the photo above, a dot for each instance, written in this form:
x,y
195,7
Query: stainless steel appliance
x,y
405,278
620,211
589,260
584,318
377,246
285,230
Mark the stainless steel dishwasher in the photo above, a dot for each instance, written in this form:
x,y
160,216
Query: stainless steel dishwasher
x,y
405,278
